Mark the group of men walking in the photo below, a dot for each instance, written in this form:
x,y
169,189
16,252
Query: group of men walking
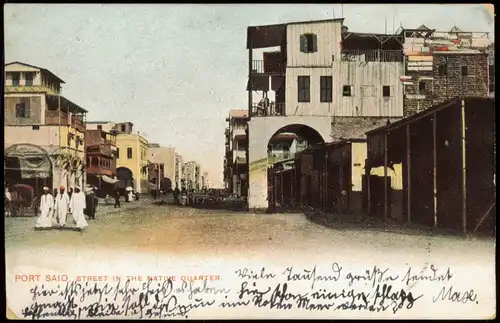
x,y
56,208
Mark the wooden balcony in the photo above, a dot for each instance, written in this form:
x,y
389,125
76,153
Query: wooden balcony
x,y
268,67
56,118
97,170
107,150
272,109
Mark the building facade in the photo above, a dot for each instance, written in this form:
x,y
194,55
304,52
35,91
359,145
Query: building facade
x,y
101,153
44,131
326,83
179,171
235,159
321,75
132,160
190,175
165,157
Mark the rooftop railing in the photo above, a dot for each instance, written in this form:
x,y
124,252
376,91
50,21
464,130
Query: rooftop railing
x,y
356,55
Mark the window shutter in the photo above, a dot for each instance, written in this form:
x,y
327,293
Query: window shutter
x,y
303,44
315,43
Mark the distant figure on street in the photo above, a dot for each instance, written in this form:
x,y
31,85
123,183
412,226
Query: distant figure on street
x,y
62,206
117,198
70,192
46,207
177,192
91,202
77,205
154,193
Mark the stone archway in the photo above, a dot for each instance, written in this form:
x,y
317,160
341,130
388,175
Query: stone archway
x,y
28,164
125,176
260,131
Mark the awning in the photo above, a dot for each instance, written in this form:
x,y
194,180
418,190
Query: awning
x,y
108,179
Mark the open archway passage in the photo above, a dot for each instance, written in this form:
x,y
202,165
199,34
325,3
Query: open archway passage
x,y
281,172
125,176
29,166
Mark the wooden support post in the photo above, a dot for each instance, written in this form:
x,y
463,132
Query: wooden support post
x,y
408,172
434,158
341,174
250,83
367,174
281,190
327,191
464,171
385,178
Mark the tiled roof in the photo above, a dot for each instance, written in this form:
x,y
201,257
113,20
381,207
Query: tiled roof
x,y
240,113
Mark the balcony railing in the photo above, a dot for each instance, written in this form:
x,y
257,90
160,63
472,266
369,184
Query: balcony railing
x,y
101,149
266,110
356,55
268,67
55,118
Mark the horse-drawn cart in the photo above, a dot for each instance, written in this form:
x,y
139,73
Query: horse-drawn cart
x,y
24,201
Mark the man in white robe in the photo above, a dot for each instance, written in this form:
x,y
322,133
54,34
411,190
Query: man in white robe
x,y
62,206
77,205
46,207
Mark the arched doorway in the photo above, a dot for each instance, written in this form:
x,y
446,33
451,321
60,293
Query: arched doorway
x,y
28,164
283,177
125,176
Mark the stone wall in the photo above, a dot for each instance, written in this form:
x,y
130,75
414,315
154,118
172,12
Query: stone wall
x,y
446,81
356,127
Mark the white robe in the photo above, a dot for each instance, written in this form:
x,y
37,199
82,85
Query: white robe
x,y
46,207
77,205
62,208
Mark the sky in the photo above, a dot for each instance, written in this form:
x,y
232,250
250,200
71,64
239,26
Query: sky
x,y
175,70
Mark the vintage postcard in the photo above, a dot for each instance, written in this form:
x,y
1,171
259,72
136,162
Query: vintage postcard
x,y
234,161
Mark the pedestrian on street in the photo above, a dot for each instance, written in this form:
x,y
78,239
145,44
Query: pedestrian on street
x,y
70,192
46,207
117,198
177,192
77,205
62,206
91,205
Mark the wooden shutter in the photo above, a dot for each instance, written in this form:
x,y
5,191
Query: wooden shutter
x,y
307,88
314,43
303,44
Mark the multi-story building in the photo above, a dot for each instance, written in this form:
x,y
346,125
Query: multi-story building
x,y
179,175
190,168
198,177
325,83
235,159
205,181
101,159
165,158
44,131
132,158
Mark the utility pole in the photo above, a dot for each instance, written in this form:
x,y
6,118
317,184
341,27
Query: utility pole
x,y
59,129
